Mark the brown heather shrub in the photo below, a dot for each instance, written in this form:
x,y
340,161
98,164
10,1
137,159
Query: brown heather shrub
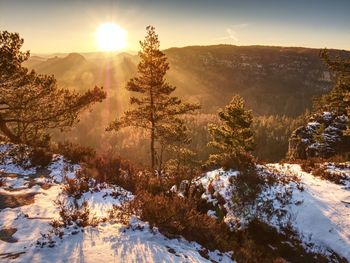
x,y
74,152
335,178
40,157
77,186
71,213
316,168
311,163
117,171
112,170
176,216
74,187
121,213
314,162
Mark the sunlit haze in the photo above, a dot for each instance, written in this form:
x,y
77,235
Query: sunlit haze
x,y
111,37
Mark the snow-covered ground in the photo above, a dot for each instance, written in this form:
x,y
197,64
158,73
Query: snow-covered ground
x,y
107,242
320,213
317,209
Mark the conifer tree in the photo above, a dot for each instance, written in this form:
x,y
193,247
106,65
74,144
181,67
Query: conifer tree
x,y
338,99
31,104
232,136
153,108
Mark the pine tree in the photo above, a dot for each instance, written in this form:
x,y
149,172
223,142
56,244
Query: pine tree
x,y
338,99
232,136
31,104
153,108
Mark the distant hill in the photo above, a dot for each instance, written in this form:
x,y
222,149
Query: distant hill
x,y
273,80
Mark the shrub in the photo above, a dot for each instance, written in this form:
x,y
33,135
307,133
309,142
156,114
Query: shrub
x,y
121,213
75,187
18,154
40,157
112,170
333,177
314,162
74,213
74,152
175,216
248,185
239,161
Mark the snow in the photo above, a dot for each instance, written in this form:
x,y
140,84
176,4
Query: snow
x,y
7,164
319,213
327,115
217,182
313,124
117,243
102,201
107,242
219,188
60,168
317,209
342,170
15,182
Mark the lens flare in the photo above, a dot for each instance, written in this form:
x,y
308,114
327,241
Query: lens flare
x,y
111,37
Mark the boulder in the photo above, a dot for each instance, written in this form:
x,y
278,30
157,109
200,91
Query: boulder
x,y
323,136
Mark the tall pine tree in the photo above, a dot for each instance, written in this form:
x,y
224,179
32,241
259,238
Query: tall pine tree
x,y
153,108
232,137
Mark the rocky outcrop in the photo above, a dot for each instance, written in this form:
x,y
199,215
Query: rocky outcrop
x,y
323,136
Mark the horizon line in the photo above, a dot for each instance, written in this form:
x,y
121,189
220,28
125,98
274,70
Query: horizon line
x,y
176,47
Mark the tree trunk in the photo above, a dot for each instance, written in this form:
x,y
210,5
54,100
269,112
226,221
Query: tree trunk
x,y
153,124
160,161
152,149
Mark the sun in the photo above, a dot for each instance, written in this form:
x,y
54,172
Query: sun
x,y
111,37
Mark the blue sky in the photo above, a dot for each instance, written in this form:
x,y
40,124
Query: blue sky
x,y
66,26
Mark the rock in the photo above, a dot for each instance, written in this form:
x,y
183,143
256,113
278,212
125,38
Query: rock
x,y
321,137
6,235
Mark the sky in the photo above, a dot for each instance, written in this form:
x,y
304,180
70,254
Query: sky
x,y
54,26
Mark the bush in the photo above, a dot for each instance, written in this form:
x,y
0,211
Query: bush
x,y
121,213
112,170
75,152
40,157
175,216
248,185
240,161
314,162
73,213
75,187
333,177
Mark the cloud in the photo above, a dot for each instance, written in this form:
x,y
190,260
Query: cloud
x,y
231,32
242,25
231,35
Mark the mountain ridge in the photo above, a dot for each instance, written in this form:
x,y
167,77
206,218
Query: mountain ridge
x,y
273,80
